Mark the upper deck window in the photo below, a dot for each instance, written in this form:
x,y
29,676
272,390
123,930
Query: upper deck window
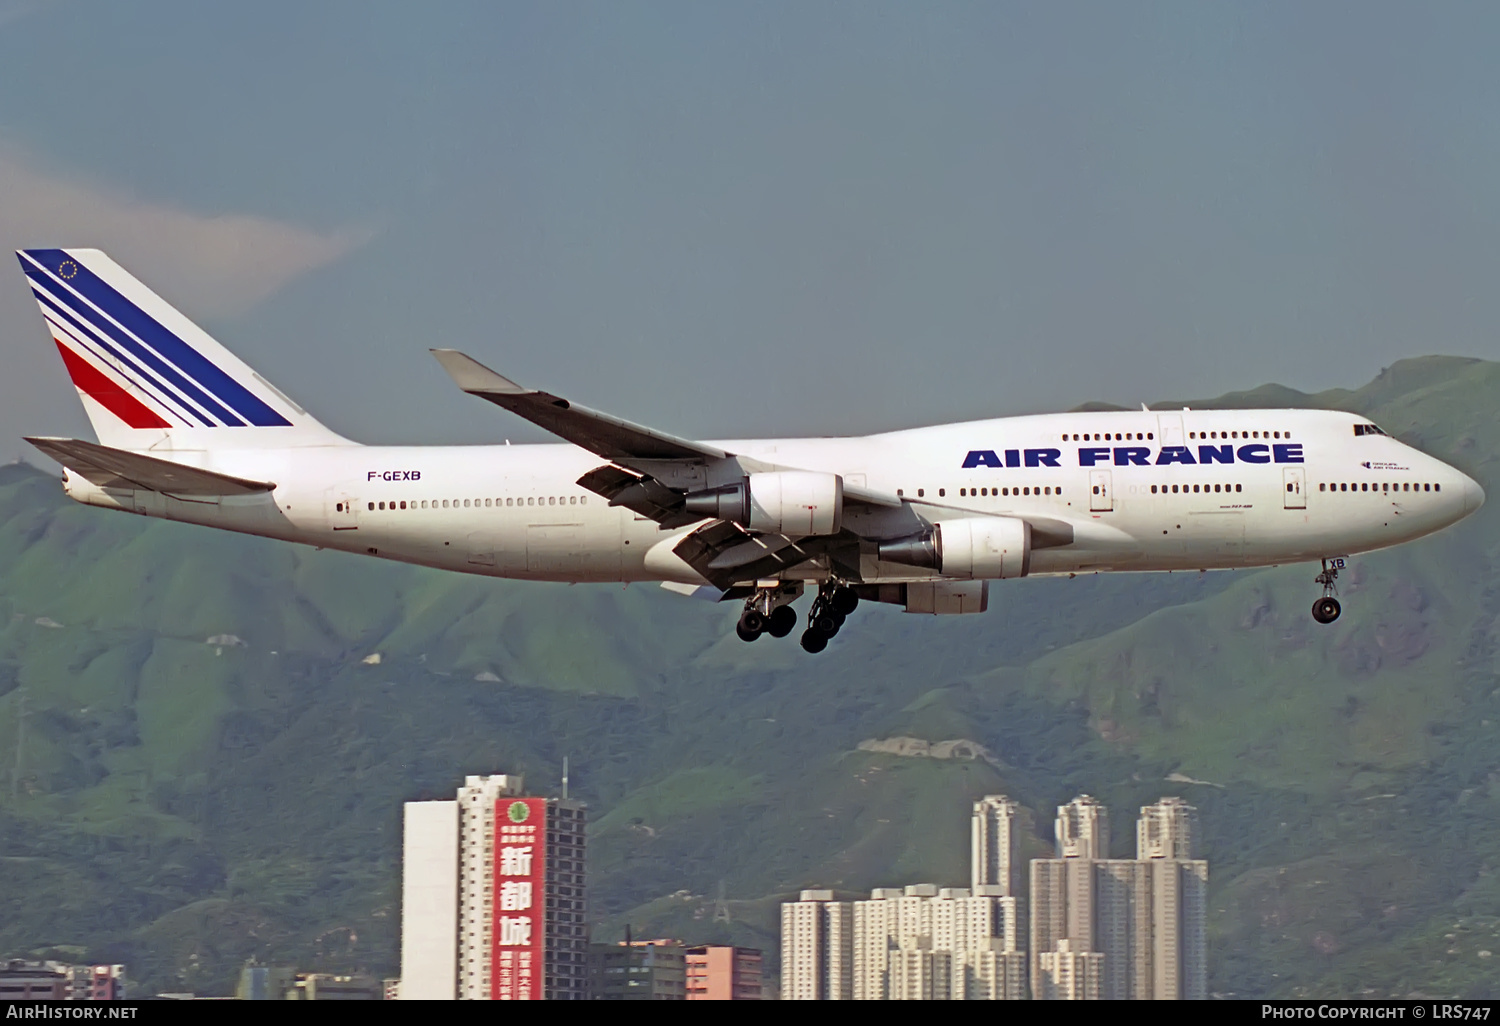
x,y
1367,429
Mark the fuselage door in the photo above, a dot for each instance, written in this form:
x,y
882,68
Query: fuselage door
x,y
1101,494
1169,429
341,510
1294,489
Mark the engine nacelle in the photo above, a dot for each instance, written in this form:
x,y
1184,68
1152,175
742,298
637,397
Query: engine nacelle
x,y
974,547
797,503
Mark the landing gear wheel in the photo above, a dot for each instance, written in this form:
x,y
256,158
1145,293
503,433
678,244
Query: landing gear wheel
x,y
745,635
844,601
827,624
753,620
781,622
814,640
1326,610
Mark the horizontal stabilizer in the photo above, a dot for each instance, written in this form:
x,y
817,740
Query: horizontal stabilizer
x,y
599,433
115,468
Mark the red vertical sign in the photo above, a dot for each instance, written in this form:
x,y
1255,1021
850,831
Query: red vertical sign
x,y
517,922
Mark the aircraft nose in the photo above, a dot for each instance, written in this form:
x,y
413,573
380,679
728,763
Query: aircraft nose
x,y
1473,495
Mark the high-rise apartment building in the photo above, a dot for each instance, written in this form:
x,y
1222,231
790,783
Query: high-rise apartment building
x,y
918,973
1144,917
1099,927
1062,907
1069,975
910,940
817,948
720,972
494,897
994,867
1166,830
992,973
1082,829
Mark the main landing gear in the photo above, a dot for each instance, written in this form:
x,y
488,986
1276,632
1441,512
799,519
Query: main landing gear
x,y
834,602
1327,608
768,611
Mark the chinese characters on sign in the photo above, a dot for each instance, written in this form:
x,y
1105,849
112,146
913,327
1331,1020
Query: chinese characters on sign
x,y
520,875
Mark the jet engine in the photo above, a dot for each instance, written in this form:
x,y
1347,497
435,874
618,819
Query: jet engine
x,y
797,503
974,547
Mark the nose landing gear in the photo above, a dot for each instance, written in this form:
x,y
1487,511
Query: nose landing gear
x,y
1327,608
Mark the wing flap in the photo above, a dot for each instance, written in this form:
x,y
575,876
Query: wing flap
x,y
725,554
636,492
116,468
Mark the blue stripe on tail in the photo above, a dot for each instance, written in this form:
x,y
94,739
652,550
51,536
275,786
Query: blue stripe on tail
x,y
153,333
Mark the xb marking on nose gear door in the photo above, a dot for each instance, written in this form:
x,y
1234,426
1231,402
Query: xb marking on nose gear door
x,y
1101,494
1294,490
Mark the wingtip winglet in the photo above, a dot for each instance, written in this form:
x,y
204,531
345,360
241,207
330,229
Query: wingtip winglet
x,y
472,376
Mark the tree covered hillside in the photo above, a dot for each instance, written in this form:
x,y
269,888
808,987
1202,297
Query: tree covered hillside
x,y
198,766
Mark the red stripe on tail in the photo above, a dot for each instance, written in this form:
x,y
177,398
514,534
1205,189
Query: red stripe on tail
x,y
106,393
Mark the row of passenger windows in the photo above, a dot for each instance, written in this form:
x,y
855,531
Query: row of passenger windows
x,y
1117,436
1023,490
1137,436
1193,488
1379,486
973,492
532,500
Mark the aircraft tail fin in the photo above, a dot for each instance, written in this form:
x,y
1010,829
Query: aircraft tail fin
x,y
148,377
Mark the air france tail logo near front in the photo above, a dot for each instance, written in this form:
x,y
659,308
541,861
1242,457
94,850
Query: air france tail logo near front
x,y
1137,455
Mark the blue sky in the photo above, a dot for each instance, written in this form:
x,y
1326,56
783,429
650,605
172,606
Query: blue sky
x,y
742,219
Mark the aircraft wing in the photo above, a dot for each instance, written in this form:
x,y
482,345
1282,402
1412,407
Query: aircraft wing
x,y
650,473
597,432
644,451
116,468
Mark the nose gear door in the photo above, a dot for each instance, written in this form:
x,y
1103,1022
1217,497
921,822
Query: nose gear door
x,y
1295,490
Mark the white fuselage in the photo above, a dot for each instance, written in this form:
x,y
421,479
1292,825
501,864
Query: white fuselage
x,y
1132,491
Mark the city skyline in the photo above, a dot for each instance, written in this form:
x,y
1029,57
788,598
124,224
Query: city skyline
x,y
1099,927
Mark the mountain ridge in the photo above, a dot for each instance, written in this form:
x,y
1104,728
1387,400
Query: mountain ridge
x,y
181,805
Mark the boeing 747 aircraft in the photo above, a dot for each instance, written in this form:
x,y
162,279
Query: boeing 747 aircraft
x,y
924,518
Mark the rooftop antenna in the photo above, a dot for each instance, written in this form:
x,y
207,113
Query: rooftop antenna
x,y
565,777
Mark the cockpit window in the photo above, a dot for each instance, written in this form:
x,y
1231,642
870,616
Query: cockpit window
x,y
1367,429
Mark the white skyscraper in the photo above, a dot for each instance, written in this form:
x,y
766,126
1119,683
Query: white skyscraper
x,y
817,947
1069,975
494,896
429,906
910,940
1082,829
1144,918
994,865
1166,830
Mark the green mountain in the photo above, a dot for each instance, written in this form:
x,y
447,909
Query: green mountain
x,y
199,765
